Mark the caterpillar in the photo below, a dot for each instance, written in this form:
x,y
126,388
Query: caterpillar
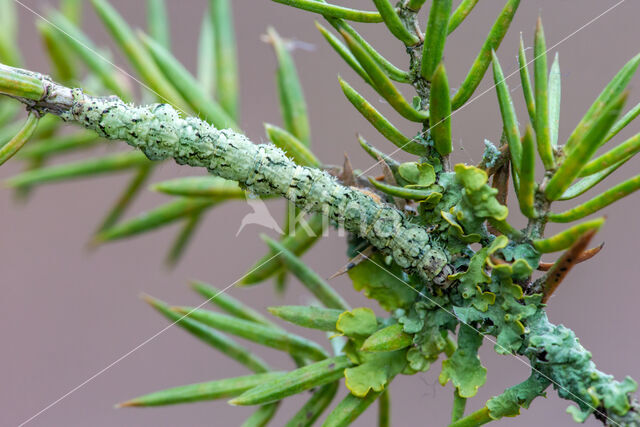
x,y
160,133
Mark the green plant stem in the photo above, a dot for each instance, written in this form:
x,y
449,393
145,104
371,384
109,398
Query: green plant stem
x,y
333,11
525,80
211,337
226,57
435,37
543,134
262,415
414,5
344,53
219,389
9,149
381,123
158,22
599,202
393,72
349,409
480,65
460,14
506,229
459,403
188,86
309,278
382,83
474,419
384,405
84,48
17,84
394,23
183,238
311,410
127,196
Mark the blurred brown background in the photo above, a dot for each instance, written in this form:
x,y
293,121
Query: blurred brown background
x,y
66,313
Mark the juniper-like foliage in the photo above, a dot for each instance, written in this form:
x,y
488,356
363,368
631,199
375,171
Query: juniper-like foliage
x,y
410,231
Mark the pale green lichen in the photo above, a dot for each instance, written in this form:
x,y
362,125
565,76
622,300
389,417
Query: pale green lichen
x,y
491,154
556,352
479,201
508,403
463,368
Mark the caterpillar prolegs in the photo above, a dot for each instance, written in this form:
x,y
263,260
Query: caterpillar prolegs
x,y
161,133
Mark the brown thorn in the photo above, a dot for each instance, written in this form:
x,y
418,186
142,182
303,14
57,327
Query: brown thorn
x,y
493,230
332,170
564,264
590,253
502,157
545,266
387,172
353,262
346,176
497,261
584,256
501,182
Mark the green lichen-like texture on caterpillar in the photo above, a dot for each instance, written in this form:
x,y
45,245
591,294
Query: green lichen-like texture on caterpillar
x,y
161,133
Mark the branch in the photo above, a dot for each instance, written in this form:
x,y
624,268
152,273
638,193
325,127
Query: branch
x,y
556,353
160,132
557,358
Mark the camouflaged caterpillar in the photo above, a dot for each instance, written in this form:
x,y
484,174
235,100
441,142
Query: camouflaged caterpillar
x,y
160,132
